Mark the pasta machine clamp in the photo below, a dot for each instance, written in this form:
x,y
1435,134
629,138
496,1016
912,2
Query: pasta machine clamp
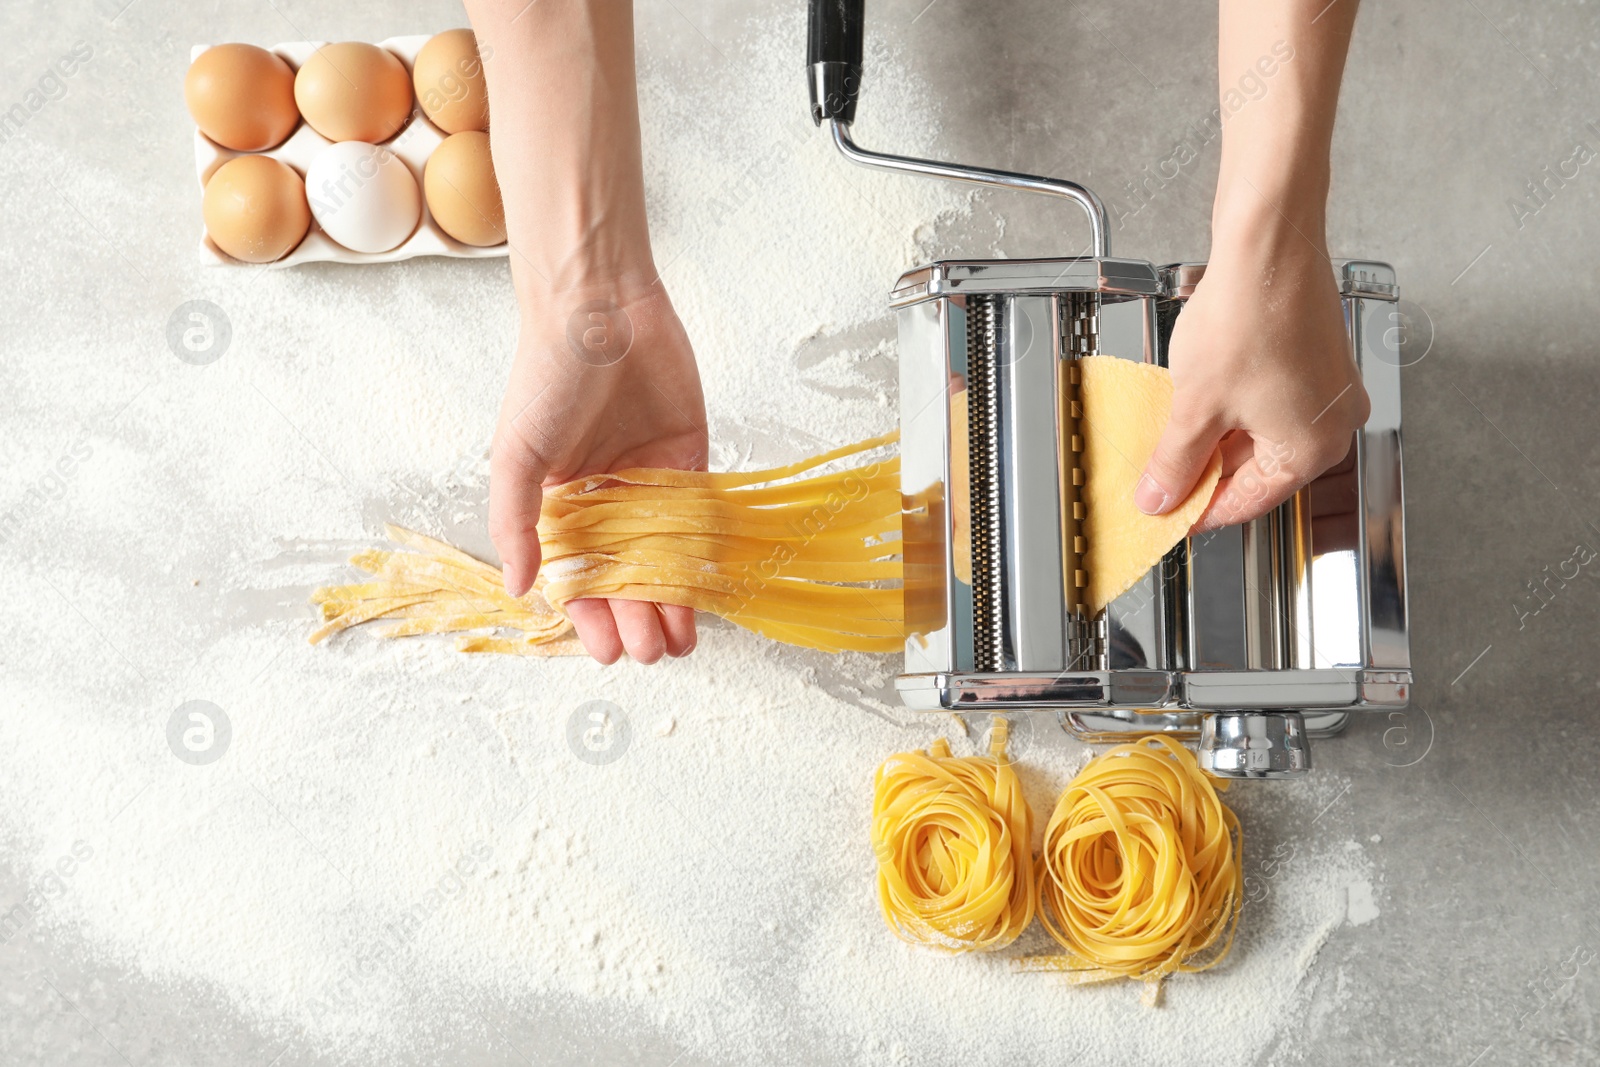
x,y
1249,640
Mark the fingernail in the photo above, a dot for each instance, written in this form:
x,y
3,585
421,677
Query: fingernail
x,y
509,576
1149,497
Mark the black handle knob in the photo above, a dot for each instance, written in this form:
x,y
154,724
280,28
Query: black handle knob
x,y
833,58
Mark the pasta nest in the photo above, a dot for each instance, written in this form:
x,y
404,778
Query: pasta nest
x,y
952,839
1141,874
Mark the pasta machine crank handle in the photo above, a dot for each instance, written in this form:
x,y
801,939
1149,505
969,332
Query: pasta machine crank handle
x,y
833,58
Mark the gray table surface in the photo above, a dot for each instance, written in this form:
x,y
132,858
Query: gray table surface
x,y
1490,845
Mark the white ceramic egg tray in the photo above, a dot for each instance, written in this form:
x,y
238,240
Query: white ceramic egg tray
x,y
413,144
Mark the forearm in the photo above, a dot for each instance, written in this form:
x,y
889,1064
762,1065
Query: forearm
x,y
1276,145
564,133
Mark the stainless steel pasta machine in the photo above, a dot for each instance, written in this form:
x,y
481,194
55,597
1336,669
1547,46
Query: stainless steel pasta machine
x,y
1251,640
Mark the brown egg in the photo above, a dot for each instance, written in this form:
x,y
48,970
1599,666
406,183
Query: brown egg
x,y
462,193
354,92
448,77
255,209
241,96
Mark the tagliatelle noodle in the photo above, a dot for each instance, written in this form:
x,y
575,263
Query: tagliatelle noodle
x,y
812,561
952,838
1141,874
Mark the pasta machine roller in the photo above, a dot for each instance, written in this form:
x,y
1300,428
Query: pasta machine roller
x,y
1252,639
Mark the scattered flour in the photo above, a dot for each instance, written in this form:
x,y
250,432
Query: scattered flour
x,y
1362,908
396,835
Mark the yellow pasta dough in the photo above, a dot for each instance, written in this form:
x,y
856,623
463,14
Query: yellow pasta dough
x,y
1141,874
809,559
952,837
960,495
1125,408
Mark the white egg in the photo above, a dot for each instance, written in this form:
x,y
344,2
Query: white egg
x,y
363,196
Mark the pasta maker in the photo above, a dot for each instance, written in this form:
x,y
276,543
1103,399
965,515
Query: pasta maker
x,y
1250,640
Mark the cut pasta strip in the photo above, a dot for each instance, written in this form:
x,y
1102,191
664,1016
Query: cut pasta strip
x,y
807,558
952,838
1141,874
